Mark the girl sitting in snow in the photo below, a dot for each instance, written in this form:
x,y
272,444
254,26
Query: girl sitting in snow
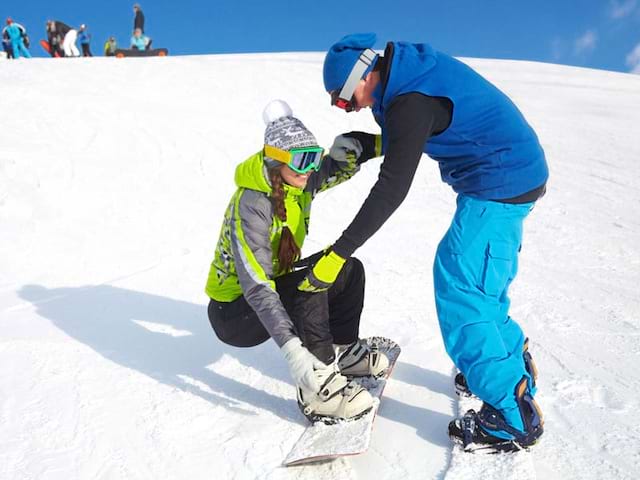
x,y
139,41
255,286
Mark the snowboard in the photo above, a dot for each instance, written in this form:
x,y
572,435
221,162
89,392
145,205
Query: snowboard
x,y
320,442
153,52
47,48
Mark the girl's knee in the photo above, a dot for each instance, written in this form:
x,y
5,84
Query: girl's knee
x,y
356,265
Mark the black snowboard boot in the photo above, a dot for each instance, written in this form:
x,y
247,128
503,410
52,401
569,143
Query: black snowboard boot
x,y
488,432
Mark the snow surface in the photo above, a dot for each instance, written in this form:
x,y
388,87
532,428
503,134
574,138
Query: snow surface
x,y
114,176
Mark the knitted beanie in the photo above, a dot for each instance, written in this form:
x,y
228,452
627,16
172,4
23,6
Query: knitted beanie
x,y
284,131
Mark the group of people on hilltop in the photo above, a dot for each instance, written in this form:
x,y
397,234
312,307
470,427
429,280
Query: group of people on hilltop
x,y
62,38
139,41
61,34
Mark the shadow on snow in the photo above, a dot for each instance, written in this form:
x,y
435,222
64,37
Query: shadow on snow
x,y
178,343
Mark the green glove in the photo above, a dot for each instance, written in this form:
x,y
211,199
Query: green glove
x,y
323,274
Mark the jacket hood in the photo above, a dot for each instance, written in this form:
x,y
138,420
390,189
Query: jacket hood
x,y
252,174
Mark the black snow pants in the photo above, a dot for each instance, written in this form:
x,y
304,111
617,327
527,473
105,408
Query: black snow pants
x,y
320,319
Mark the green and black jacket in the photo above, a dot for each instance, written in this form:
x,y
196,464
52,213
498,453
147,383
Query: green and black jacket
x,y
245,261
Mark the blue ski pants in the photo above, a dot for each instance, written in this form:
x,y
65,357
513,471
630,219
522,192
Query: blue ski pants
x,y
19,49
475,263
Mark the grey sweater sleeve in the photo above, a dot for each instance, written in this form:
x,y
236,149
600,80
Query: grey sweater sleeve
x,y
251,245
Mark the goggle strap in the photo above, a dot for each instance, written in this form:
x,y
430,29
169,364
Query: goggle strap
x,y
277,154
365,59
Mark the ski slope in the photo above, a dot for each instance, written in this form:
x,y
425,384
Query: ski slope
x,y
114,176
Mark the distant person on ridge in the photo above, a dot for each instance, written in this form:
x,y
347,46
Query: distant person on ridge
x,y
138,19
428,102
252,283
57,31
110,47
139,41
6,43
55,36
16,34
84,37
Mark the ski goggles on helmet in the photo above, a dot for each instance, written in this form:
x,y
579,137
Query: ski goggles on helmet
x,y
346,105
300,160
344,98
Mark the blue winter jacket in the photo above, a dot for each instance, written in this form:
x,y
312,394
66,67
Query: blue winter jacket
x,y
14,32
489,151
84,37
140,43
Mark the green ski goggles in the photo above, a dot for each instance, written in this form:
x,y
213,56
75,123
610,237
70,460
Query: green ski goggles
x,y
300,160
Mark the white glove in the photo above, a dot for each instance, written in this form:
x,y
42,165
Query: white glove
x,y
342,146
302,364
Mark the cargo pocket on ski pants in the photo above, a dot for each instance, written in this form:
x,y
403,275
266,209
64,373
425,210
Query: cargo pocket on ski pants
x,y
498,270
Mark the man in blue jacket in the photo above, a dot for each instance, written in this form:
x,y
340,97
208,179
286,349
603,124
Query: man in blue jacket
x,y
429,102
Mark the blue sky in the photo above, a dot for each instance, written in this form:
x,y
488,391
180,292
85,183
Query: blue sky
x,y
602,34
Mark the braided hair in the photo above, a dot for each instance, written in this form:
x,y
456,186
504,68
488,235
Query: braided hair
x,y
288,250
